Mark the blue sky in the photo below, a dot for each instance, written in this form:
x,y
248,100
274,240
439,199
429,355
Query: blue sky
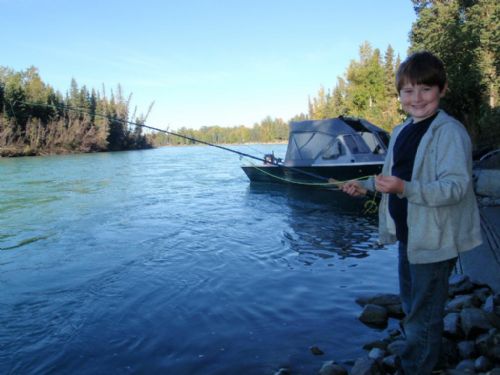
x,y
202,62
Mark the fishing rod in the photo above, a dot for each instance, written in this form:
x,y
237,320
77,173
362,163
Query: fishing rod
x,y
243,154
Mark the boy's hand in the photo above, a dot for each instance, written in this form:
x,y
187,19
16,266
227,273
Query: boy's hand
x,y
353,188
389,184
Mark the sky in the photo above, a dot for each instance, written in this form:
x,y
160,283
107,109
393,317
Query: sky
x,y
202,62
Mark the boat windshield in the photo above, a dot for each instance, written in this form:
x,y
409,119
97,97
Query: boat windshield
x,y
307,146
356,144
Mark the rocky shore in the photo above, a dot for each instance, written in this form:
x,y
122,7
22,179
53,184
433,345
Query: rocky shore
x,y
471,337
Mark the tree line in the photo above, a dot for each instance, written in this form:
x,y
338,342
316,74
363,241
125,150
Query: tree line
x,y
35,119
266,131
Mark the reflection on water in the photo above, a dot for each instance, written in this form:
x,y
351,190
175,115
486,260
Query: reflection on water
x,y
323,223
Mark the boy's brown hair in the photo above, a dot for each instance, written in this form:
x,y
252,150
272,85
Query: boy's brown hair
x,y
421,68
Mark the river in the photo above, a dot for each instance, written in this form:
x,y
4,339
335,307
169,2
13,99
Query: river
x,y
169,261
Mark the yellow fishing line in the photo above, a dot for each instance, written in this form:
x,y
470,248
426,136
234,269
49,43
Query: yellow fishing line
x,y
333,182
370,206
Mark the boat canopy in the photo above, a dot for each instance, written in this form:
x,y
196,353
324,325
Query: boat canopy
x,y
342,139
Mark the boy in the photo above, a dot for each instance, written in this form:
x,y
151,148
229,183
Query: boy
x,y
428,205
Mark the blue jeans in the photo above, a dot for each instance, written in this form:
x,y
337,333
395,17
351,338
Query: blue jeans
x,y
423,291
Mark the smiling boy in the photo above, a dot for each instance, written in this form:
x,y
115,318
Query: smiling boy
x,y
428,205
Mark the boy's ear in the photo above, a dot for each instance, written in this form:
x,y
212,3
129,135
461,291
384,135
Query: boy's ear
x,y
443,91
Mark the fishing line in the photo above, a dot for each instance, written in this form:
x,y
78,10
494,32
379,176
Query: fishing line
x,y
294,181
370,206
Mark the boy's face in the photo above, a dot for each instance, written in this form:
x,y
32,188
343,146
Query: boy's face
x,y
420,101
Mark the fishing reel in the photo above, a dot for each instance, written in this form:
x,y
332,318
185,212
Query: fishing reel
x,y
271,159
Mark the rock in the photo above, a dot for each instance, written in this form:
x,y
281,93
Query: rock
x,y
379,299
396,347
391,363
493,342
489,305
461,301
374,315
381,344
283,371
488,344
332,368
466,349
482,294
377,354
365,366
474,321
394,333
459,284
484,342
316,350
494,319
466,365
452,326
496,299
395,311
482,364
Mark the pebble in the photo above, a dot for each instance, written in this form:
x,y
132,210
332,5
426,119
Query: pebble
x,y
316,350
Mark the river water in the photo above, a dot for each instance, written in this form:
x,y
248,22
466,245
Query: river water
x,y
169,261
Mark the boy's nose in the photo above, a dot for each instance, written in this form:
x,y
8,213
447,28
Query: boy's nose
x,y
417,95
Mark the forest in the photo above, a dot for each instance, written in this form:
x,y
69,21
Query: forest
x,y
35,119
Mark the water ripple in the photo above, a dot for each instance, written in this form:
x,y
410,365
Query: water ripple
x,y
169,261
23,242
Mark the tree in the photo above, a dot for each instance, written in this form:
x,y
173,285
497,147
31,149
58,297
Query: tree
x,y
338,98
318,107
16,110
366,83
464,34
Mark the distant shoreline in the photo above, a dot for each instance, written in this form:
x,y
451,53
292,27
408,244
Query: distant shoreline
x,y
22,151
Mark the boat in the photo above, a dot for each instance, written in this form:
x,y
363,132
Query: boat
x,y
342,148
